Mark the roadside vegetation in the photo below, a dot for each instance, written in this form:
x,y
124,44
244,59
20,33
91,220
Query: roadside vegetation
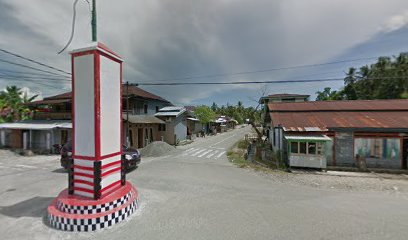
x,y
238,153
385,79
12,108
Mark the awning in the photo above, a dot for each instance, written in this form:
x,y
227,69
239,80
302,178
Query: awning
x,y
36,125
307,138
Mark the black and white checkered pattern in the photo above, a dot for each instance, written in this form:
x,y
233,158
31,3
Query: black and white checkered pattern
x,y
81,225
92,209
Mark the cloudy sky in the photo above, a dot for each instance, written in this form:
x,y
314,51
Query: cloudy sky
x,y
162,40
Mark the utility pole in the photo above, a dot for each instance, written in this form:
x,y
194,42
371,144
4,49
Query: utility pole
x,y
93,22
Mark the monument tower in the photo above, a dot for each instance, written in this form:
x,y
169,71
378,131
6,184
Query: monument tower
x,y
98,195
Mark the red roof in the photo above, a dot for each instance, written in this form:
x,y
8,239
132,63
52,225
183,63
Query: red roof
x,y
284,95
66,95
321,116
133,91
352,105
138,92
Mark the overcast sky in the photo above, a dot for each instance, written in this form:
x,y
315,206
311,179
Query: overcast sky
x,y
162,40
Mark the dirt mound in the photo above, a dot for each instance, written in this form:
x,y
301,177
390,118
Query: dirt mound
x,y
157,149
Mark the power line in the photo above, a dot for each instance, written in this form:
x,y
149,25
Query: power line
x,y
33,68
72,29
32,74
34,61
267,70
43,84
35,78
258,82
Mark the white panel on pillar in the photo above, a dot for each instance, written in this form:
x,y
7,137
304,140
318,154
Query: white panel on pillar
x,y
110,112
84,105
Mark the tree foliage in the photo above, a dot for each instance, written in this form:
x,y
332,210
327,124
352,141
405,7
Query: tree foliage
x,y
12,106
238,112
204,114
385,79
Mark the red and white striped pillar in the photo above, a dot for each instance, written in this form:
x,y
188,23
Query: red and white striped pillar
x,y
97,121
98,195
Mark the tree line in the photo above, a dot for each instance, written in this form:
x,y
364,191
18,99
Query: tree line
x,y
385,79
238,112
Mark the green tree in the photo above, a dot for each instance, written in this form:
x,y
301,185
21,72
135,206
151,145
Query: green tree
x,y
385,79
12,106
214,107
204,114
328,94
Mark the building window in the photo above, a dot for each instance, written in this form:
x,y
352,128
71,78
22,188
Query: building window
x,y
294,147
311,148
157,108
376,148
162,127
274,137
145,108
302,147
319,148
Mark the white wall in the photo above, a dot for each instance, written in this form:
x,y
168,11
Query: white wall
x,y
84,105
110,113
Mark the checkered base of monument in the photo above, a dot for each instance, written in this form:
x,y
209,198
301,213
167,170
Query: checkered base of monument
x,y
76,213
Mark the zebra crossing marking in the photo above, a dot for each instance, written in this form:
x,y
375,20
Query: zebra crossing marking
x,y
212,154
219,155
201,153
205,153
197,152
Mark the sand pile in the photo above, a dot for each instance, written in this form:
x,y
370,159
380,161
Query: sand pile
x,y
157,149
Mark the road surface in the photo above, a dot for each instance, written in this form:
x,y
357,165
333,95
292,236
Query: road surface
x,y
195,193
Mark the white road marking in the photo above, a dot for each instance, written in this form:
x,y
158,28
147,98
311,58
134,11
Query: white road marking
x,y
219,155
189,150
185,153
205,153
212,154
198,152
223,140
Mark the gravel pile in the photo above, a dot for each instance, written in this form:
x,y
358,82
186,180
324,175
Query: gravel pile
x,y
157,149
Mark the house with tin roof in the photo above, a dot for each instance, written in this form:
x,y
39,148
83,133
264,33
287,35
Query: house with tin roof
x,y
338,133
175,119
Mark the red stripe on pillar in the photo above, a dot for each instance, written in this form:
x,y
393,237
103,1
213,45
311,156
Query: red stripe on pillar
x,y
111,164
83,190
84,182
110,188
83,175
83,168
110,172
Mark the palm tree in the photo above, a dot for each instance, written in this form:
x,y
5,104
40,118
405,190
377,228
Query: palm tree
x,y
12,106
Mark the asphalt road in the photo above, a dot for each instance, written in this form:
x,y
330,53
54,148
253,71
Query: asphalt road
x,y
197,194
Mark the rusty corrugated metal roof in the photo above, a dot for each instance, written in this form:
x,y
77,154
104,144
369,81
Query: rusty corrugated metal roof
x,y
305,121
322,116
352,105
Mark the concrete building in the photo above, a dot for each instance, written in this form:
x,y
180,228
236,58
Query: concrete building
x,y
51,123
175,119
373,130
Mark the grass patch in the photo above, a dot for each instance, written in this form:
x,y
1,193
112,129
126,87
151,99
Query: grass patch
x,y
237,155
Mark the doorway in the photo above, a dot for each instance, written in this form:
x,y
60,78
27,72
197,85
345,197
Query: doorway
x,y
64,137
140,137
404,153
